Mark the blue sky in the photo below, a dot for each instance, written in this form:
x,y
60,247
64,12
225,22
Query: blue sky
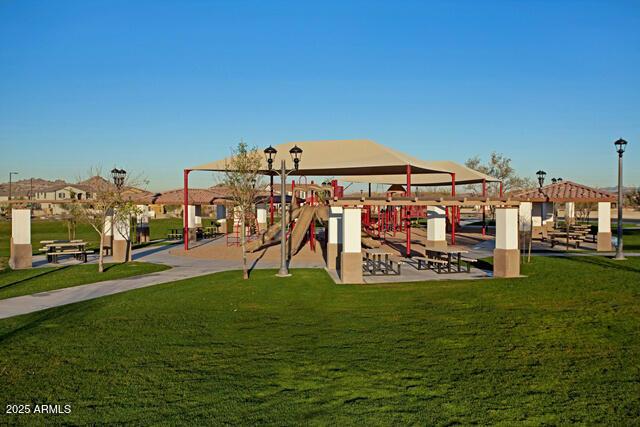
x,y
156,86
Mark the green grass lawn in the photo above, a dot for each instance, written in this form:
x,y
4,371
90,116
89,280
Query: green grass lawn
x,y
14,283
57,230
631,240
561,346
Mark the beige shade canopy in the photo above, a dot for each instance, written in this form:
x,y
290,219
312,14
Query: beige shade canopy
x,y
464,175
341,157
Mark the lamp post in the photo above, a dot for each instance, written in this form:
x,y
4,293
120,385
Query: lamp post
x,y
296,156
541,174
10,175
621,145
118,176
270,154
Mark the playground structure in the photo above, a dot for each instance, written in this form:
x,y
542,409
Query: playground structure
x,y
353,225
376,217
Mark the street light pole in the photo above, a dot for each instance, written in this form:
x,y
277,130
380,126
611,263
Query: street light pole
x,y
284,271
620,144
296,155
10,175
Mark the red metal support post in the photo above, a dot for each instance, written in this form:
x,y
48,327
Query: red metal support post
x,y
408,216
484,208
271,200
185,212
453,210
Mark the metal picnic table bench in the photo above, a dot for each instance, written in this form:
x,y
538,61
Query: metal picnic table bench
x,y
445,257
54,248
378,260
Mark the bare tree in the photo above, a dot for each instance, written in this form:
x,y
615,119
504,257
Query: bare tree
x,y
242,179
73,215
499,166
632,198
107,208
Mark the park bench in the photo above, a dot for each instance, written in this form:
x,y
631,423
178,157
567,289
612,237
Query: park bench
x,y
563,241
55,249
430,262
468,262
175,234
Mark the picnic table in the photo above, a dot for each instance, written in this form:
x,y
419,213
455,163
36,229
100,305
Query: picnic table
x,y
378,260
53,249
175,234
446,256
209,231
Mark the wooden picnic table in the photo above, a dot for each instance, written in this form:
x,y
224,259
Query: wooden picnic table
x,y
377,260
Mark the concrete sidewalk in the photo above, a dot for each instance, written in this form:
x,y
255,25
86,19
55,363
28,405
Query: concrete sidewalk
x,y
182,268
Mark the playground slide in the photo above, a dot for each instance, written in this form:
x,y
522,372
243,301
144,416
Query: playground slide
x,y
299,232
269,235
305,215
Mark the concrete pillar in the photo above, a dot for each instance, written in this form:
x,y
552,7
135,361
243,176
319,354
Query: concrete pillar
x,y
121,238
547,214
604,227
191,223
20,244
506,256
351,257
570,212
142,224
334,238
108,232
436,227
261,216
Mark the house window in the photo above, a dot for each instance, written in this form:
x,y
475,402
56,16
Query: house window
x,y
87,196
61,195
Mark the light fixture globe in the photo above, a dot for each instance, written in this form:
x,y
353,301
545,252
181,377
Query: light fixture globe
x,y
296,155
270,155
118,176
621,145
541,174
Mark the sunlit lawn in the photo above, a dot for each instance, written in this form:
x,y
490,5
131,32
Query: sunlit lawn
x,y
25,282
561,346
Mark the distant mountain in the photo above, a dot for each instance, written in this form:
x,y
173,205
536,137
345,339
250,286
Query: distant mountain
x,y
23,186
625,189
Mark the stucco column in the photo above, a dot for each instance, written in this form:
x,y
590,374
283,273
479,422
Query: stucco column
x,y
351,257
334,238
108,232
20,245
570,212
506,256
604,227
121,238
261,216
142,224
548,217
436,227
191,223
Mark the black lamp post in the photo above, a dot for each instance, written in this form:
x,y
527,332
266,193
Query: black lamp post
x,y
296,156
621,145
270,155
118,176
541,174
